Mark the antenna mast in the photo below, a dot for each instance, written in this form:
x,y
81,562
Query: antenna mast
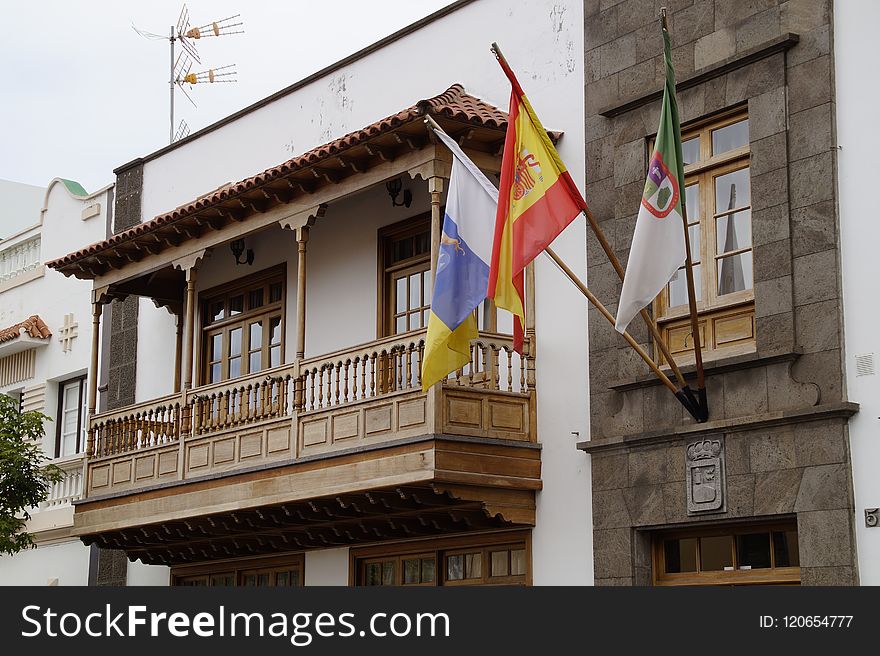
x,y
180,66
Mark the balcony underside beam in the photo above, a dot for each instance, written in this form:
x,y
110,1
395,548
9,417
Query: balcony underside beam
x,y
343,520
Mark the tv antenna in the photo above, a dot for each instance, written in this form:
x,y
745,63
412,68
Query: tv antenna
x,y
181,67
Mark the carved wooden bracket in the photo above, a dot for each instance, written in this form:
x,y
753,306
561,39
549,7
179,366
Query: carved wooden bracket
x,y
513,506
439,167
304,219
192,260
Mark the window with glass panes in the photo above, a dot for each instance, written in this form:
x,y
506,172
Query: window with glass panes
x,y
405,252
70,431
497,560
243,327
749,554
282,572
718,205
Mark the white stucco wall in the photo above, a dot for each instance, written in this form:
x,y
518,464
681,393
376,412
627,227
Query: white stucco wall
x,y
327,567
66,561
543,40
150,575
21,203
857,99
52,296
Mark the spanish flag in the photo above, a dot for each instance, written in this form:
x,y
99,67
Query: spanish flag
x,y
537,199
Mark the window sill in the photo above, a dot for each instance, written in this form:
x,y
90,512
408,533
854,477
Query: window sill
x,y
712,367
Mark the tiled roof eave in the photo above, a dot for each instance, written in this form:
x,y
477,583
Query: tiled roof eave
x,y
33,327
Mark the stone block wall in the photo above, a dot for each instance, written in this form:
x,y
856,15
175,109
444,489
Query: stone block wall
x,y
784,404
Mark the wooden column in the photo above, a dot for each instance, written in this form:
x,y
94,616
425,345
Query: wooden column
x,y
435,187
178,346
302,237
189,327
97,307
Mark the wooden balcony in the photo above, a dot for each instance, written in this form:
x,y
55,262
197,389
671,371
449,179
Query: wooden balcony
x,y
332,427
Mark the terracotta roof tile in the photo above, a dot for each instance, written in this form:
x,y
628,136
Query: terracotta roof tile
x,y
33,326
453,104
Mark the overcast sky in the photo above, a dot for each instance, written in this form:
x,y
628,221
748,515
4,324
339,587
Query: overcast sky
x,y
85,93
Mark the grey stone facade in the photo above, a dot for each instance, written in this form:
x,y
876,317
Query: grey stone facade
x,y
110,566
122,317
781,411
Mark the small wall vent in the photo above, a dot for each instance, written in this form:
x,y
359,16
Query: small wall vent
x,y
865,364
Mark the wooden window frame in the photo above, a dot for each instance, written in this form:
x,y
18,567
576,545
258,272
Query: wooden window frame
x,y
80,418
265,313
386,238
238,568
765,576
714,311
440,549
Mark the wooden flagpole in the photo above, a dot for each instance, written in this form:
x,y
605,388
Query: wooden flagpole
x,y
610,318
702,402
684,394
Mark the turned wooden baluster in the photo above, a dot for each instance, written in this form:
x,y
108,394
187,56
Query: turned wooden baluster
x,y
247,412
217,406
509,353
90,443
372,375
522,372
337,372
347,366
496,379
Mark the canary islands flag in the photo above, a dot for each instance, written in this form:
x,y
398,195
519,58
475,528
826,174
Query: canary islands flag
x,y
462,267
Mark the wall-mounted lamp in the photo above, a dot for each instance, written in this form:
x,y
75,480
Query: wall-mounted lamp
x,y
394,187
237,248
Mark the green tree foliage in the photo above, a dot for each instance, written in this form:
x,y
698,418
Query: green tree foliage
x,y
25,479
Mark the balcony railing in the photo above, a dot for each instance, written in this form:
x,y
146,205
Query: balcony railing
x,y
360,396
69,488
19,258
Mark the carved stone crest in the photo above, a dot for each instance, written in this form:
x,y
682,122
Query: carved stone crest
x,y
706,485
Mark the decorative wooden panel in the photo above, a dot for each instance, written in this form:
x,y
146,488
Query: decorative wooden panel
x,y
122,472
251,445
506,416
224,451
501,415
198,456
680,338
145,467
378,419
734,328
168,463
346,425
278,440
100,476
463,411
315,432
411,413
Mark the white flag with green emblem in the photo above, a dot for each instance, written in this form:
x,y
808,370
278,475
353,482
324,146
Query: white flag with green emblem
x,y
657,249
